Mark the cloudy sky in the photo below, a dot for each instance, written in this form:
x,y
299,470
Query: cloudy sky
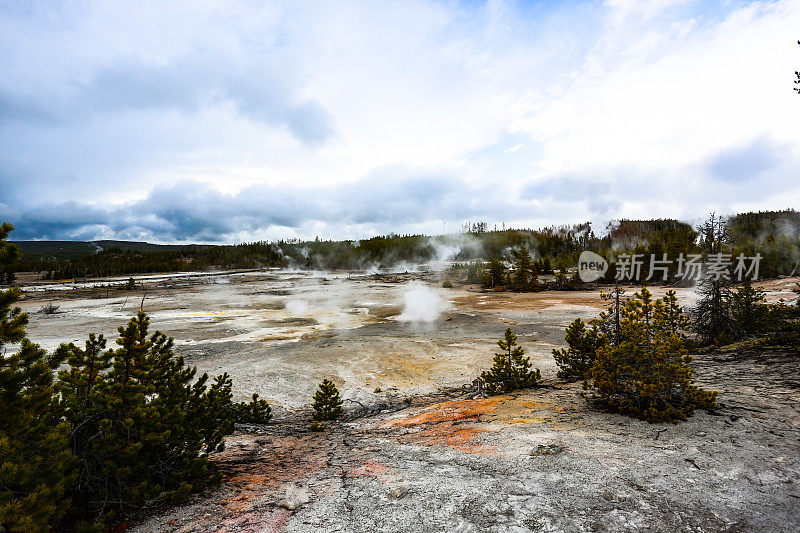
x,y
236,121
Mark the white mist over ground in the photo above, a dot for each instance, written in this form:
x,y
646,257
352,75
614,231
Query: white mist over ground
x,y
421,304
297,307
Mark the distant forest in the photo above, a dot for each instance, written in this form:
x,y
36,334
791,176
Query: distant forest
x,y
774,234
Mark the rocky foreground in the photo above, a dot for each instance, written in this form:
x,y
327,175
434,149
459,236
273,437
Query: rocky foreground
x,y
540,460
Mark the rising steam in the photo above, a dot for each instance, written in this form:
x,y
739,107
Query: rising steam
x,y
421,304
297,307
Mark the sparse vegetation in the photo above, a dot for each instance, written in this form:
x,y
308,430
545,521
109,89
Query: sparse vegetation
x,y
141,426
49,308
257,411
511,369
110,433
327,403
113,432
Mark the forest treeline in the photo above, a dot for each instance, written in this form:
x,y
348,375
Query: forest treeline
x,y
773,234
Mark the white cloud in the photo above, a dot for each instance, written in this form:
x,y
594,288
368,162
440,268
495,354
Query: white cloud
x,y
104,103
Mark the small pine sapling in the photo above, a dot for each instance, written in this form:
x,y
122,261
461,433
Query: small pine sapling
x,y
575,362
327,403
257,411
511,370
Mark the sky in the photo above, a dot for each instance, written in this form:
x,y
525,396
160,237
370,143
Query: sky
x,y
235,121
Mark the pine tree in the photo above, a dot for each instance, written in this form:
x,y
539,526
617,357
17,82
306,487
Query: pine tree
x,y
712,314
36,467
669,315
497,271
256,411
141,426
475,272
8,255
648,374
714,233
748,311
576,361
609,321
511,370
215,412
523,277
327,404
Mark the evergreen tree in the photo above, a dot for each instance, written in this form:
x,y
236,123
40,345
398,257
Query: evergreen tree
x,y
497,271
327,404
542,266
8,255
576,361
712,314
523,277
648,374
748,311
714,234
214,411
257,411
475,272
560,282
609,321
669,315
511,370
36,467
140,428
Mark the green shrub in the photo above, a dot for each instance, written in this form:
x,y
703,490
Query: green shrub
x,y
256,411
511,370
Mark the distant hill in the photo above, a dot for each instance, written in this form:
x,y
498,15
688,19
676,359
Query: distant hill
x,y
763,225
60,250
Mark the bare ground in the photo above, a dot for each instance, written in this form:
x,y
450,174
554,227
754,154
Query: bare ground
x,y
540,460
